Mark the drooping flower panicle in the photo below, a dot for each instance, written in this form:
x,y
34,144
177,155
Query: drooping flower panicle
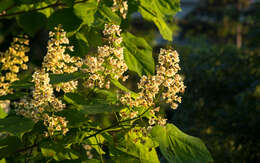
x,y
109,62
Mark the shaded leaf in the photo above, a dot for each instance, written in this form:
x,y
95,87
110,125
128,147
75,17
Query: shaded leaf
x,y
179,147
66,17
16,125
61,78
86,108
138,54
9,146
25,21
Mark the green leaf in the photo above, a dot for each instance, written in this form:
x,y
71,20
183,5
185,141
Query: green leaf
x,y
25,21
57,151
86,11
168,7
22,84
123,88
2,160
61,78
16,125
156,11
138,54
86,108
179,147
105,14
74,116
66,17
9,146
80,43
135,151
3,114
14,96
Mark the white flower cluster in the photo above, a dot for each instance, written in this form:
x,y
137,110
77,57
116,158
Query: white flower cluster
x,y
166,83
57,61
109,62
12,60
166,80
43,102
121,6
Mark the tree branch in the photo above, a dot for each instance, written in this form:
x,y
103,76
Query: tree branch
x,y
37,9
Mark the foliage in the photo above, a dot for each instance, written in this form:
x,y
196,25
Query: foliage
x,y
75,105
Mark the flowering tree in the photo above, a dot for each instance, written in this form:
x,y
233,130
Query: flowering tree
x,y
54,112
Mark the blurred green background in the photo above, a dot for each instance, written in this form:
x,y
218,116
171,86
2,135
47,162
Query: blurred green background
x,y
218,42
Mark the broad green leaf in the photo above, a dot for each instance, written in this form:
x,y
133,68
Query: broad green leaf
x,y
86,11
66,17
3,114
136,151
80,43
58,152
179,147
25,21
98,139
168,7
2,160
138,54
13,96
74,116
105,14
16,125
9,146
123,88
61,78
48,11
86,108
21,84
156,11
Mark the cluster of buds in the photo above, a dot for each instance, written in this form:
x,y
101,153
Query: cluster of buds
x,y
57,61
109,62
121,6
12,60
55,124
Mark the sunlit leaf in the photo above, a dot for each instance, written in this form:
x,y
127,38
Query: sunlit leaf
x,y
179,147
138,54
86,11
